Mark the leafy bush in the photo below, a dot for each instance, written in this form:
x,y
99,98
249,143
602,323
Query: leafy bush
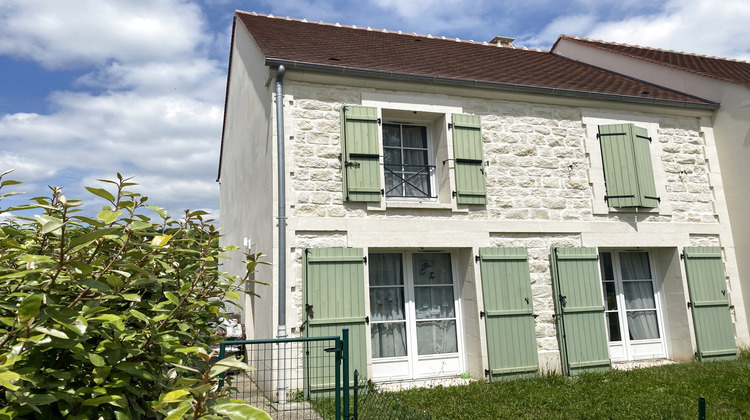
x,y
112,316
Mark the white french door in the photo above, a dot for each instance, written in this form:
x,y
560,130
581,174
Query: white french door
x,y
414,316
635,322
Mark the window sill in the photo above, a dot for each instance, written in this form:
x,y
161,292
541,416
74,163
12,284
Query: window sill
x,y
416,205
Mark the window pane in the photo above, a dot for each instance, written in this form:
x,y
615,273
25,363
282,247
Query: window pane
x,y
416,185
639,295
415,136
436,337
387,303
415,160
392,156
434,302
606,265
613,326
432,269
642,325
634,266
385,269
392,135
610,297
388,340
394,185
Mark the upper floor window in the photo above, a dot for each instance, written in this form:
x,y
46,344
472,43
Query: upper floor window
x,y
406,157
412,143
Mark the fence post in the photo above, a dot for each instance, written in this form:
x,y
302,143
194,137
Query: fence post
x,y
356,393
222,353
701,408
337,379
345,355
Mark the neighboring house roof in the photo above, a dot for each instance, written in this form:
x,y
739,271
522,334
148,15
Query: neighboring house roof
x,y
385,54
733,71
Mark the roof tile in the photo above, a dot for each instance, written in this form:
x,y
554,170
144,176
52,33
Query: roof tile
x,y
734,71
341,47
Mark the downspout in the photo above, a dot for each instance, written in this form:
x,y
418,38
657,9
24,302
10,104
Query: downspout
x,y
281,331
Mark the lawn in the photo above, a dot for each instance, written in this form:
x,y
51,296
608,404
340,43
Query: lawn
x,y
663,392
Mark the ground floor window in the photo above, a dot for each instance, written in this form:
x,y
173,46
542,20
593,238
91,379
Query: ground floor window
x,y
632,305
413,315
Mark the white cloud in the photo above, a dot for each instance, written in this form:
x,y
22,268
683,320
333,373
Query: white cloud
x,y
696,26
64,34
570,24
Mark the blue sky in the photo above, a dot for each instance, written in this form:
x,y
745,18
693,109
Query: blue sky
x,y
91,88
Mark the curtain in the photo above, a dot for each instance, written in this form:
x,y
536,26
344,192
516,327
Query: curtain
x,y
634,266
642,324
387,305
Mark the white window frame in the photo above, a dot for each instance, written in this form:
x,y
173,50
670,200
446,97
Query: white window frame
x,y
428,124
415,366
628,350
420,103
591,122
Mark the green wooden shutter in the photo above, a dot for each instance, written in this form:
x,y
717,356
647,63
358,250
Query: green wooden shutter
x,y
468,156
709,303
361,155
579,310
334,291
628,169
509,312
644,168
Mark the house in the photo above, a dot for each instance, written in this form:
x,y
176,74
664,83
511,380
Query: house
x,y
472,207
717,79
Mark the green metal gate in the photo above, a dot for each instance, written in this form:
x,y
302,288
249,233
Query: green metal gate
x,y
283,370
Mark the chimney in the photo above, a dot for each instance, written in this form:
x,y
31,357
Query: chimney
x,y
503,41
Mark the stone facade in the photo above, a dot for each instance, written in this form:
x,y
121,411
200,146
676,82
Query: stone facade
x,y
538,168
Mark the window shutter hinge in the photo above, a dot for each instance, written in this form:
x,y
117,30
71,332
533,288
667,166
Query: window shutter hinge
x,y
454,194
382,192
380,122
731,306
481,314
690,305
476,258
364,259
682,256
450,126
486,372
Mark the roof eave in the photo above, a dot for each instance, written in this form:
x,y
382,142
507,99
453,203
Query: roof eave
x,y
508,87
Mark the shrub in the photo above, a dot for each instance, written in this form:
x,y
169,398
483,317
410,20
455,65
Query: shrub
x,y
111,316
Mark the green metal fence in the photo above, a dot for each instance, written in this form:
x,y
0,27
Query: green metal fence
x,y
292,378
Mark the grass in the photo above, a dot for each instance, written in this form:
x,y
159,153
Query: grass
x,y
663,392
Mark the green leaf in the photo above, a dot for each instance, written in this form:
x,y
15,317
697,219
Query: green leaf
x,y
97,360
172,298
108,216
48,223
102,193
131,297
224,365
139,225
10,182
7,378
91,236
178,412
111,399
53,332
40,399
29,308
159,210
175,396
233,295
240,411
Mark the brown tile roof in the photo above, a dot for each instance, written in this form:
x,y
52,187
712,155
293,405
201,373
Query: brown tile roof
x,y
733,71
380,53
